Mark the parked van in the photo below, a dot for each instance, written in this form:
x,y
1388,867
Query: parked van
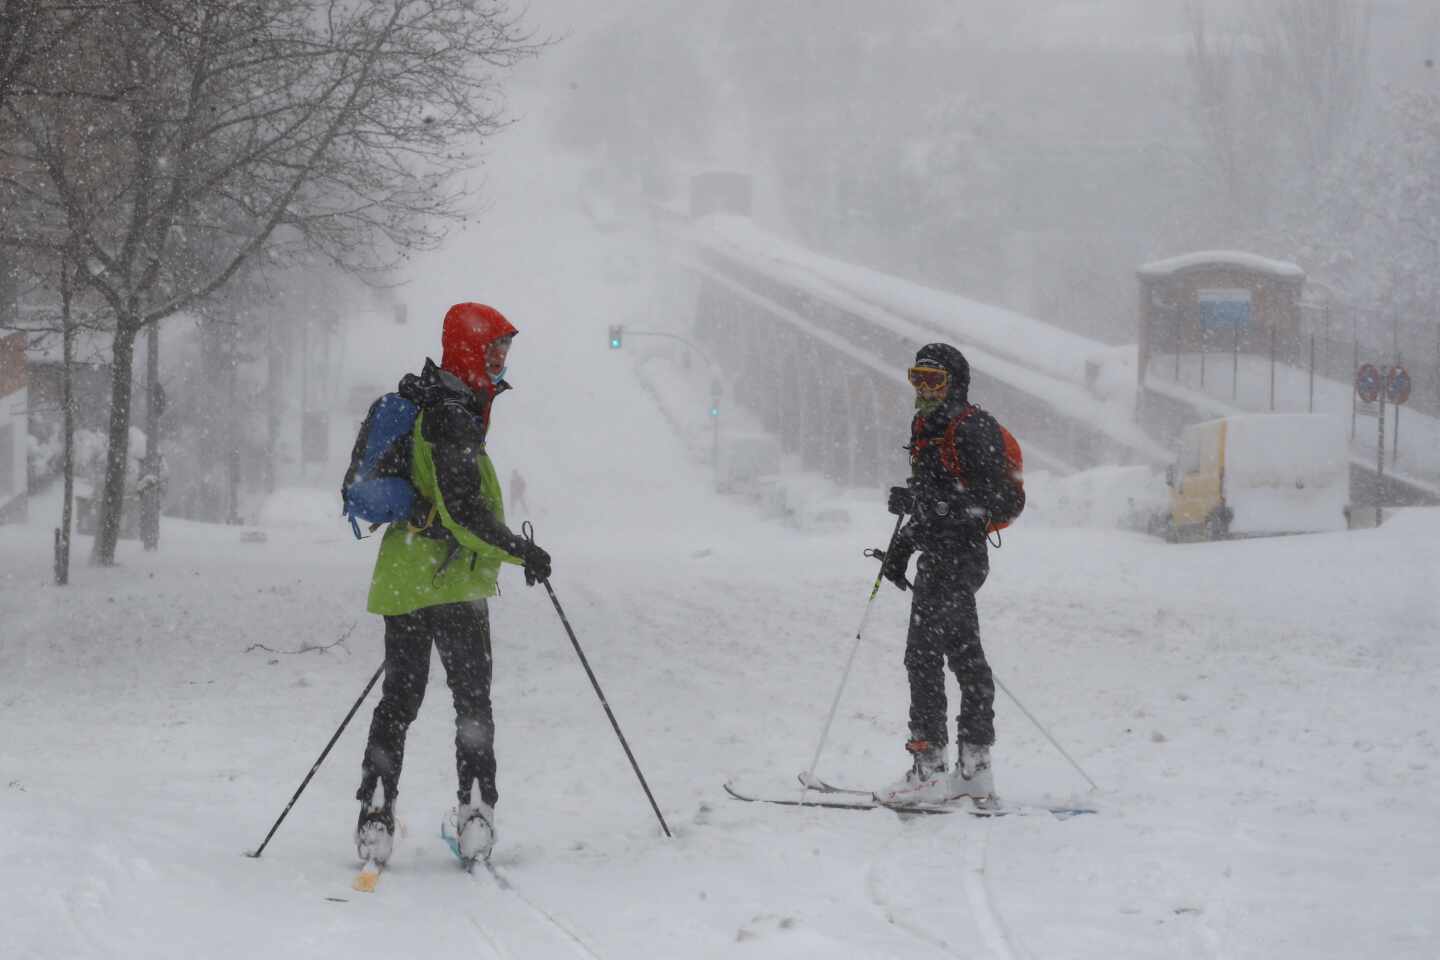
x,y
1259,474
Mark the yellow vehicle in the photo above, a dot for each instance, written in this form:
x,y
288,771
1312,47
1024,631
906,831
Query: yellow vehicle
x,y
1259,474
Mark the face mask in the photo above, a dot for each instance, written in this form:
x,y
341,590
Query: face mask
x,y
927,406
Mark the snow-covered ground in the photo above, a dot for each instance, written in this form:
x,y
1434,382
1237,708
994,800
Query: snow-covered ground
x,y
1261,715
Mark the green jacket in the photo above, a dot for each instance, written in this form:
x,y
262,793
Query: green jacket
x,y
411,572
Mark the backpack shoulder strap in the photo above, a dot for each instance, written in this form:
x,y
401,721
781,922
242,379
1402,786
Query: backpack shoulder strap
x,y
949,450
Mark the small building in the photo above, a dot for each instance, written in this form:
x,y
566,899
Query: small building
x,y
1217,301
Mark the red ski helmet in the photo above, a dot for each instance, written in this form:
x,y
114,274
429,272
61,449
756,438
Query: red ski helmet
x,y
469,328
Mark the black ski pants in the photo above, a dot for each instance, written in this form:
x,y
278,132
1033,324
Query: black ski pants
x,y
461,632
944,625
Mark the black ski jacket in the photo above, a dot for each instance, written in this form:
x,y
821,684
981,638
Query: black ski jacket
x,y
950,513
456,422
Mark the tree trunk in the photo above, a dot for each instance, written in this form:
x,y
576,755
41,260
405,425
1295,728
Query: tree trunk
x,y
112,494
67,384
152,490
274,378
232,436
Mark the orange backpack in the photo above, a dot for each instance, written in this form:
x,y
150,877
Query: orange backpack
x,y
950,457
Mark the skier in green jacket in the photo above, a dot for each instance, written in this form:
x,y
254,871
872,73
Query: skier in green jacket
x,y
433,577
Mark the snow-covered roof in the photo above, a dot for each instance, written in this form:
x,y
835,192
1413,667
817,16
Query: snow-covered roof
x,y
1238,259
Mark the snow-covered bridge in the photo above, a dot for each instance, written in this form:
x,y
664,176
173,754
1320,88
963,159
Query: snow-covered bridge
x,y
818,348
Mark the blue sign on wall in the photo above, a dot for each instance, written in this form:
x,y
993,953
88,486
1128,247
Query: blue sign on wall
x,y
1224,309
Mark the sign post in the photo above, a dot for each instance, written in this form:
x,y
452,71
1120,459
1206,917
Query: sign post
x,y
1380,459
1397,391
1367,388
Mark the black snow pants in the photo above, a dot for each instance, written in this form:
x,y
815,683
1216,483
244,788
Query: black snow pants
x,y
461,632
944,624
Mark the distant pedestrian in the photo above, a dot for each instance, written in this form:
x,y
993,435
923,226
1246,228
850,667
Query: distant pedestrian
x,y
517,492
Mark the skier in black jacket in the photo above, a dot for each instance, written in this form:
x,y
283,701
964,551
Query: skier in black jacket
x,y
956,490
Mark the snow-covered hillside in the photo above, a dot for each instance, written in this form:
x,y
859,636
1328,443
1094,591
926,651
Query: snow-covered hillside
x,y
1261,715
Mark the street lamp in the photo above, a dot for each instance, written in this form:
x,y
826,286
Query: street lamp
x,y
617,335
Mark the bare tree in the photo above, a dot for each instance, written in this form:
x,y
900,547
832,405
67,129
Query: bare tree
x,y
1276,96
1218,104
178,139
1311,69
31,30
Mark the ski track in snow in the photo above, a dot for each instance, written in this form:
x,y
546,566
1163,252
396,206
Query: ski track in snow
x,y
988,922
982,903
579,944
504,888
495,944
899,919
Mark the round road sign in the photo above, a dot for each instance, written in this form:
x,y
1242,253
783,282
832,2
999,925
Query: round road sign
x,y
1367,382
1397,385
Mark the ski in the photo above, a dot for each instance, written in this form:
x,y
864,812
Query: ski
x,y
990,806
829,801
812,782
838,798
368,877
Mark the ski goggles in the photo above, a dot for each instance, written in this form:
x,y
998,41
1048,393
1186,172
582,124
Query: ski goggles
x,y
930,383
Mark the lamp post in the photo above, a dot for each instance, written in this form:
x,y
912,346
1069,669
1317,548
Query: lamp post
x,y
618,332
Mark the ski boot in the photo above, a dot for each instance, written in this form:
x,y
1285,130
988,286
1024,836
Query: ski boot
x,y
375,831
469,829
972,776
927,781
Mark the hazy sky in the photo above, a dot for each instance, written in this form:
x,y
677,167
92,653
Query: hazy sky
x,y
1405,29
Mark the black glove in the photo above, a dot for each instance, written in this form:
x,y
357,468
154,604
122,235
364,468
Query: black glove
x,y
894,562
537,563
420,513
902,501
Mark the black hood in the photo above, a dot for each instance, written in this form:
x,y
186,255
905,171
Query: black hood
x,y
953,360
433,385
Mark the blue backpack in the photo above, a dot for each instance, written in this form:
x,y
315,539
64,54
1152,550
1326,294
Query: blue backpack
x,y
377,488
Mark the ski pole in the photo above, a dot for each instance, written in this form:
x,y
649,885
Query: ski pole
x,y
1041,727
529,532
850,662
323,754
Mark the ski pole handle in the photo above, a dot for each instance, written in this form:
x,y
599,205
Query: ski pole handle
x,y
527,530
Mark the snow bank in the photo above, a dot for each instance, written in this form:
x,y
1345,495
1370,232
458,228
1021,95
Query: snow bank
x,y
1106,497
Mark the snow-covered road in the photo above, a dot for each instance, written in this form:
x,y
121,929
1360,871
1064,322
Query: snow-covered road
x,y
1262,716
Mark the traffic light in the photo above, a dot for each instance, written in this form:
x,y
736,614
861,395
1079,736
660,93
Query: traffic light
x,y
616,331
